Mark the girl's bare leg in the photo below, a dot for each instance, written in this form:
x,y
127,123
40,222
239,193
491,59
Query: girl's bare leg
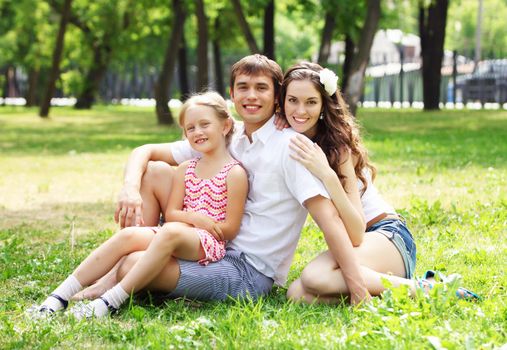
x,y
99,287
105,257
155,190
165,281
174,239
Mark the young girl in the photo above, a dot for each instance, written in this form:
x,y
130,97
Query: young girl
x,y
312,104
205,209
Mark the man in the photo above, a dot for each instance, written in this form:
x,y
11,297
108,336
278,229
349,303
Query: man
x,y
281,193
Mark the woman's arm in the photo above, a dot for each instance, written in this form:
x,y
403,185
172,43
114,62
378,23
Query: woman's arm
x,y
346,200
328,220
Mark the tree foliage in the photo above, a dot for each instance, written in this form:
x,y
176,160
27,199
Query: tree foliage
x,y
462,24
127,39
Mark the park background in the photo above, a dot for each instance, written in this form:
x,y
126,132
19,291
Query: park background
x,y
122,68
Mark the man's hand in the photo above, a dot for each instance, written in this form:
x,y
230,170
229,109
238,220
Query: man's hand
x,y
129,210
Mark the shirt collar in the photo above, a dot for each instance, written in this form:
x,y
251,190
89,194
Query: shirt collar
x,y
264,132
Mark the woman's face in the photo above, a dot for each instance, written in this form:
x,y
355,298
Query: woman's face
x,y
303,104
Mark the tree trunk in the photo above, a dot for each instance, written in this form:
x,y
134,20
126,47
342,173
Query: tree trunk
x,y
98,69
162,87
432,21
57,56
12,84
269,30
182,68
217,59
31,94
327,36
245,28
355,82
202,46
350,48
4,87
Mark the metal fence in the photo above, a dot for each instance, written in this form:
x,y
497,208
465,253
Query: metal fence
x,y
486,83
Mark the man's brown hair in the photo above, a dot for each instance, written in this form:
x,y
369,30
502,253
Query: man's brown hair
x,y
255,65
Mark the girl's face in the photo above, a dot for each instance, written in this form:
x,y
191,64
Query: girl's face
x,y
204,129
303,105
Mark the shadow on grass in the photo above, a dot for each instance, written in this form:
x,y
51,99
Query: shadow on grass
x,y
84,217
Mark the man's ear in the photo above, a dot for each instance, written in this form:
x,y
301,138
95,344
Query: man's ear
x,y
231,93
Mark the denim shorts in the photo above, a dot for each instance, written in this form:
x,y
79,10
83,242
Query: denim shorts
x,y
232,276
397,232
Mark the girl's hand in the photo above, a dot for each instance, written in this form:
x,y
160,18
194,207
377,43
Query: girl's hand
x,y
280,122
310,155
203,222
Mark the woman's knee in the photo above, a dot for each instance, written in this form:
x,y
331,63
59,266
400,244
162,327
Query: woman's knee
x,y
313,280
295,292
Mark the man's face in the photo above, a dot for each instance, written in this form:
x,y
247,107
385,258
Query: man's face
x,y
254,99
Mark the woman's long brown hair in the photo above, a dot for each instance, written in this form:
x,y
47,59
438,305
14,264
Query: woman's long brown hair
x,y
337,132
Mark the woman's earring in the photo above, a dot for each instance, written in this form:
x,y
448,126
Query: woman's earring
x,y
321,116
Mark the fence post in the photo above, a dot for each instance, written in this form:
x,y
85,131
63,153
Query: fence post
x,y
391,90
376,90
454,74
402,58
411,92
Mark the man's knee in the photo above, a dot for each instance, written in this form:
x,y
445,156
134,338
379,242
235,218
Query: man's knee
x,y
157,172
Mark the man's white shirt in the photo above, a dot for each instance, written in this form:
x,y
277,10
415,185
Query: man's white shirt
x,y
279,185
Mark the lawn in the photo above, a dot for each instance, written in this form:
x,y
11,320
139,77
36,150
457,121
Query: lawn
x,y
446,172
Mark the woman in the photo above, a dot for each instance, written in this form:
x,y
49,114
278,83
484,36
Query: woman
x,y
312,104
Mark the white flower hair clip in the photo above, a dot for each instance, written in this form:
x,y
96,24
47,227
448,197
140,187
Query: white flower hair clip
x,y
329,80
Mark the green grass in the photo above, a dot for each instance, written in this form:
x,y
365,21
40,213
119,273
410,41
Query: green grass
x,y
445,172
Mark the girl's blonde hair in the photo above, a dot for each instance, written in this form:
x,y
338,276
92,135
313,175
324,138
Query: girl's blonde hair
x,y
209,99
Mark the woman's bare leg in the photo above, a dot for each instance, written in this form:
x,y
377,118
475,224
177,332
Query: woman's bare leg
x,y
379,260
